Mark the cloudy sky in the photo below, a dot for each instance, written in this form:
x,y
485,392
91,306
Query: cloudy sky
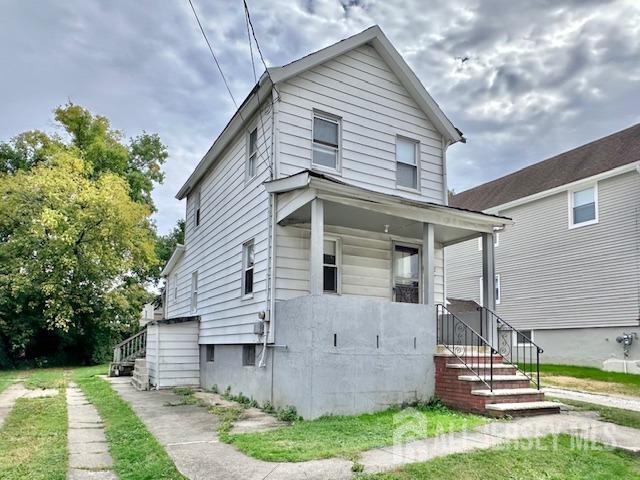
x,y
538,77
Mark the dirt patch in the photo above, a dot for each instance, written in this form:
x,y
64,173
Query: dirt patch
x,y
587,385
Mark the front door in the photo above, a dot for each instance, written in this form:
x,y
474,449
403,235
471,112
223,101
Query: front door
x,y
406,274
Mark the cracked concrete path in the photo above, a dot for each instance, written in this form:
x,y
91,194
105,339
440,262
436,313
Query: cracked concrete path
x,y
615,401
17,390
188,433
89,457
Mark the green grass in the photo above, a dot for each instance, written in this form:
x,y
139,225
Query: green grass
x,y
346,436
136,454
516,461
626,418
33,379
33,440
7,377
598,380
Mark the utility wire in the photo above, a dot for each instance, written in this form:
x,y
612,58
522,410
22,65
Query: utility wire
x,y
215,59
253,32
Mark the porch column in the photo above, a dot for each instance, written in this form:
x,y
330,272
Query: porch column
x,y
317,247
488,272
428,264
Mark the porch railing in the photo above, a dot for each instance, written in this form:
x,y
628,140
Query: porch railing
x,y
131,348
516,348
466,344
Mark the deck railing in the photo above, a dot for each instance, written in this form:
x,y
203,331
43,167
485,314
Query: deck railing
x,y
131,348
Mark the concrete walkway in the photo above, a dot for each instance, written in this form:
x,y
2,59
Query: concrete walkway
x,y
616,401
89,457
188,433
13,392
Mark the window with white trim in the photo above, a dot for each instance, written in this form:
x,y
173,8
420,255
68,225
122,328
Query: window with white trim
x,y
252,153
498,290
194,291
326,141
583,207
175,287
196,208
331,266
248,261
406,163
524,337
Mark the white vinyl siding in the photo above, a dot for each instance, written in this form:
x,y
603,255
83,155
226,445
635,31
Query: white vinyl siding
x,y
173,356
365,263
554,277
235,210
374,109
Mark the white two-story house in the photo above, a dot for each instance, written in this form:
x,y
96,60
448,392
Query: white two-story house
x,y
315,226
568,270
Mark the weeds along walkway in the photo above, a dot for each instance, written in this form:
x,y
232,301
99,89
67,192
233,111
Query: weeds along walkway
x,y
89,457
188,433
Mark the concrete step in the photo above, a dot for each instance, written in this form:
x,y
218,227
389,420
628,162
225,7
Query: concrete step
x,y
523,408
503,392
482,366
496,378
139,385
141,371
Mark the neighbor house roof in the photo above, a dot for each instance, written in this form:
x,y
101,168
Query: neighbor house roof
x,y
275,75
173,260
613,151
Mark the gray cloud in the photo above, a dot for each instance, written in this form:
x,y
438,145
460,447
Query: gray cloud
x,y
541,76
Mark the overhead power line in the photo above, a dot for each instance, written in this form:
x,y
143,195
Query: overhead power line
x,y
215,59
253,32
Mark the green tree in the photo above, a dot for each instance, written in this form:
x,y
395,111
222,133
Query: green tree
x,y
76,242
166,244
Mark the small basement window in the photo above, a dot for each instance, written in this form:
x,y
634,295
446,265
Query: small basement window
x,y
210,353
524,337
407,163
583,208
248,355
326,141
247,268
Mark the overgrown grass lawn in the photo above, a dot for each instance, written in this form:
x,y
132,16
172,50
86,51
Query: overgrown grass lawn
x,y
590,378
517,461
137,455
346,436
33,440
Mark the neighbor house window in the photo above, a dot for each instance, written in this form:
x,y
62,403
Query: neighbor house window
x,y
196,208
583,209
496,241
497,291
252,153
210,353
247,268
175,286
406,163
248,355
524,337
326,141
330,266
194,291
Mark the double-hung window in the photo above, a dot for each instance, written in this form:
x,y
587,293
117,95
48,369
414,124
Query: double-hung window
x,y
406,163
498,290
194,291
330,266
326,141
196,208
583,208
247,268
252,153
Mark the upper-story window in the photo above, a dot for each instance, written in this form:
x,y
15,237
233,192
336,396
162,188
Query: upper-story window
x,y
583,207
252,153
406,163
194,291
196,208
248,261
326,141
175,287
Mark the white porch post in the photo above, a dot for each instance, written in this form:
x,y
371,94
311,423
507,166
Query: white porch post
x,y
428,264
488,272
317,247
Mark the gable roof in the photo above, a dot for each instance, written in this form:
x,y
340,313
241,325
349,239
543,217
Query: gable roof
x,y
274,75
613,151
173,260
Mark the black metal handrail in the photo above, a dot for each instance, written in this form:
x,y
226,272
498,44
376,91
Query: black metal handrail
x,y
524,356
465,343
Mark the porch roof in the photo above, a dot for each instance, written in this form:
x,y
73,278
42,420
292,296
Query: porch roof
x,y
356,207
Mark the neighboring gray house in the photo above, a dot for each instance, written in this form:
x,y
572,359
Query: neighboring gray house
x,y
568,271
313,255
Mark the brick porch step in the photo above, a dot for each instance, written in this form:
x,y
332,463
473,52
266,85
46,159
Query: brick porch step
x,y
523,408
